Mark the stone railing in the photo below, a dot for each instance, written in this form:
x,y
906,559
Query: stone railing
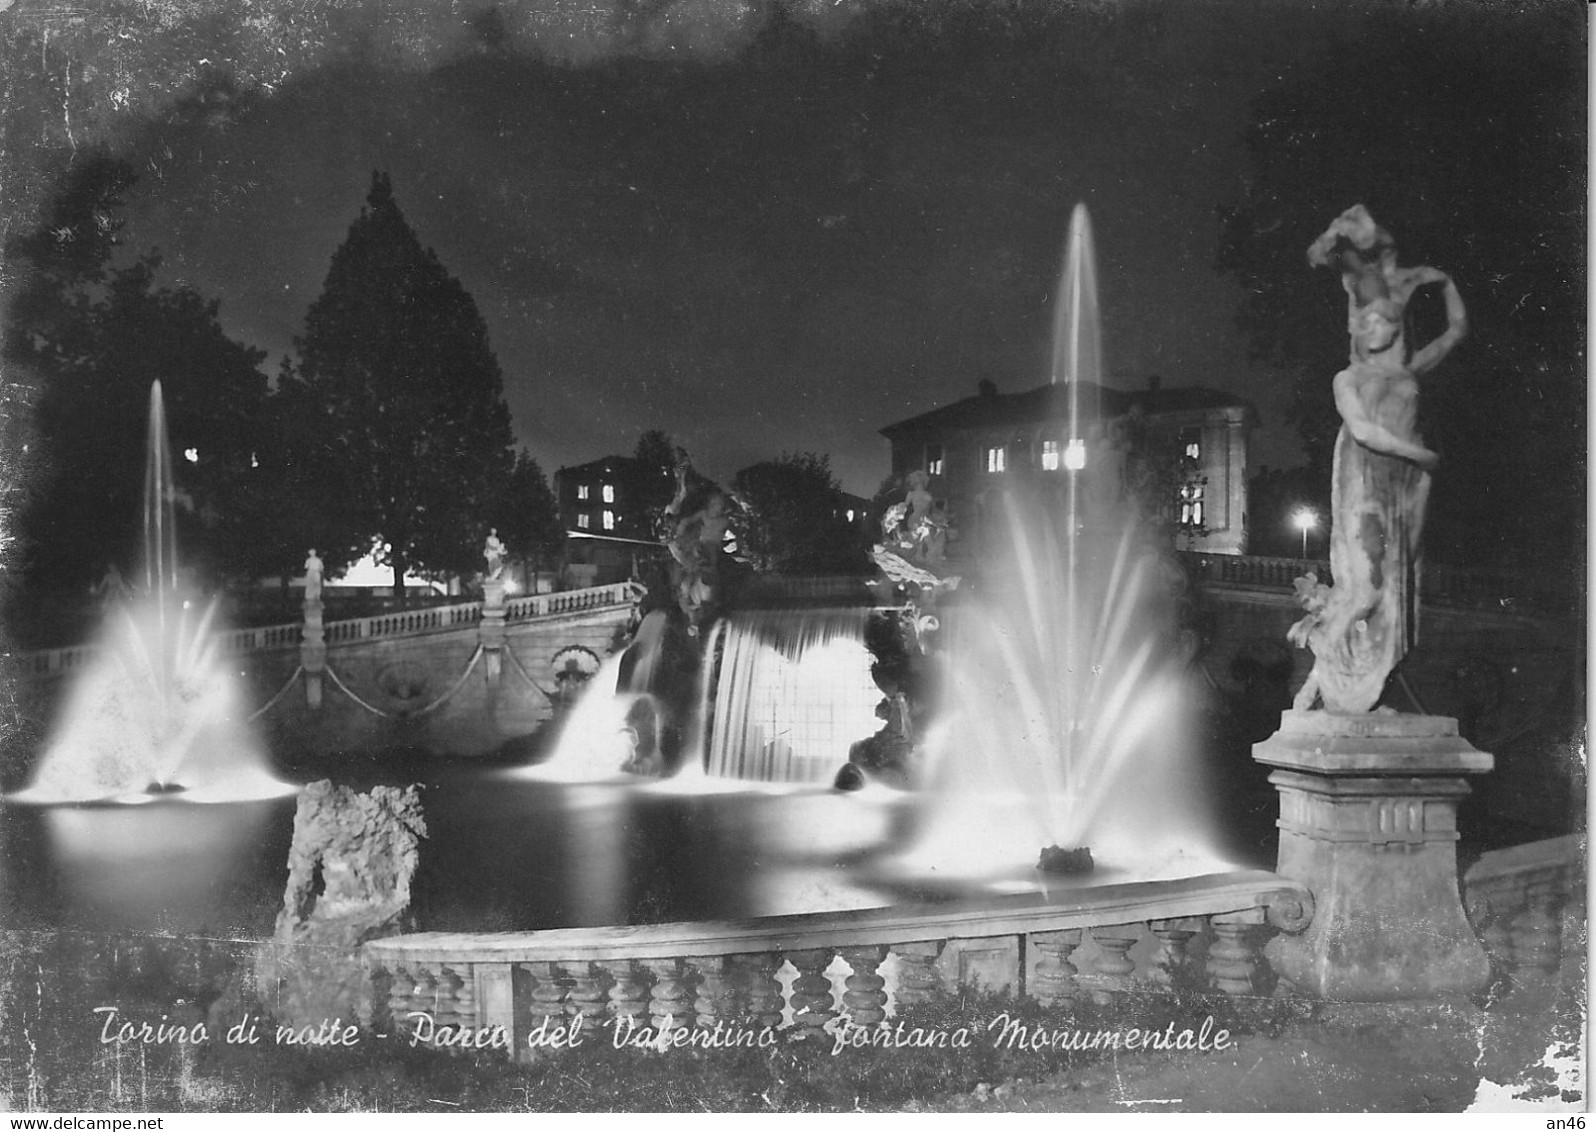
x,y
1455,586
773,971
429,619
1519,899
567,601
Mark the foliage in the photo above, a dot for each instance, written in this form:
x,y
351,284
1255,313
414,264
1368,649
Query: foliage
x,y
528,517
1462,131
653,476
401,418
793,517
89,337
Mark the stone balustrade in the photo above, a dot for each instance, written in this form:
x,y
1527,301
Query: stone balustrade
x,y
429,619
1523,901
779,971
1524,591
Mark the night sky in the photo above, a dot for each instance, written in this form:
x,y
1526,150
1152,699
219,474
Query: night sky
x,y
760,227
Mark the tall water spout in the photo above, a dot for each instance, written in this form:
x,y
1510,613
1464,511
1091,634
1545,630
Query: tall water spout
x,y
1068,719
155,709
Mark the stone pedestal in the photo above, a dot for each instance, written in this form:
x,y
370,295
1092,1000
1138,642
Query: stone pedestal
x,y
313,652
1368,821
491,633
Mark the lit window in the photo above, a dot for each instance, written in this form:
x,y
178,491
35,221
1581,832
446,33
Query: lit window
x,y
608,491
191,455
1191,505
583,521
933,459
609,520
996,459
1191,444
254,460
850,514
581,491
1050,456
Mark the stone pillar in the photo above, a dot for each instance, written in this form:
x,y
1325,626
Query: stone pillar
x,y
491,634
1368,821
313,652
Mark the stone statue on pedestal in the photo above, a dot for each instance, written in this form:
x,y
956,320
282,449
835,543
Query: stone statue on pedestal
x,y
314,568
1361,627
493,552
1368,799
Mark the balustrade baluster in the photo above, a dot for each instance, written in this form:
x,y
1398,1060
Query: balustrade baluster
x,y
812,1004
548,993
761,989
1170,964
586,993
717,995
669,1004
455,1005
1055,980
387,996
1111,974
628,992
423,995
865,997
1235,956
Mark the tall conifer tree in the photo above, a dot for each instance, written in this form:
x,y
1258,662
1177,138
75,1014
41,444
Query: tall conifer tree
x,y
406,438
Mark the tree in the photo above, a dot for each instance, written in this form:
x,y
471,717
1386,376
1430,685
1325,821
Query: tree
x,y
793,517
654,476
528,516
89,338
410,440
1463,133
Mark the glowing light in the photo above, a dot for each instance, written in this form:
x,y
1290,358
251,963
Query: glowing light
x,y
1075,454
191,455
1304,520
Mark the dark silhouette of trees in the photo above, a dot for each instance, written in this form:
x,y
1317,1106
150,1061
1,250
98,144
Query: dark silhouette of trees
x,y
1463,132
653,474
85,340
793,518
528,517
400,419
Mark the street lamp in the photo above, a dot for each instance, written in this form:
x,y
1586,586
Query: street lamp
x,y
1304,520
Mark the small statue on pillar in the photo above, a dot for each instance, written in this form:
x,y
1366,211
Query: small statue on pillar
x,y
1361,627
493,552
314,569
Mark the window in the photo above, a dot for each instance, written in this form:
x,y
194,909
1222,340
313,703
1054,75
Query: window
x,y
996,459
608,491
1191,504
1050,456
1191,444
609,520
933,459
583,521
581,491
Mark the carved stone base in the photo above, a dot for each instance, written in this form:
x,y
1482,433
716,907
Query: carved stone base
x,y
1368,821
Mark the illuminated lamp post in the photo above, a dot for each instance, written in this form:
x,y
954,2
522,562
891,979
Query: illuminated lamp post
x,y
1304,520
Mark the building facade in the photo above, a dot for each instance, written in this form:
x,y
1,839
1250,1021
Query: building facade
x,y
1185,448
607,524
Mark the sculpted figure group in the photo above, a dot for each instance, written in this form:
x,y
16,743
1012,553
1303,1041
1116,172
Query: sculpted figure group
x,y
1360,628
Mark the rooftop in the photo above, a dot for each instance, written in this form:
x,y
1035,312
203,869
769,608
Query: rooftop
x,y
1051,401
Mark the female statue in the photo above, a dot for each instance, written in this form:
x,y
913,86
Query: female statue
x,y
1361,628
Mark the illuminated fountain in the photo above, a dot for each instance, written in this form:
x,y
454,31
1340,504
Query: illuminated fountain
x,y
1064,723
1067,726
155,712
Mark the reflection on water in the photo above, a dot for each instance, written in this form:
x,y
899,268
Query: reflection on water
x,y
504,853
